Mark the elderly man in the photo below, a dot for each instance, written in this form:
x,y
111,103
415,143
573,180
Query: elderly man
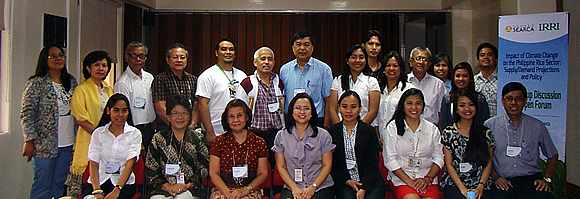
x,y
518,137
135,83
486,79
217,86
432,87
306,74
173,82
262,91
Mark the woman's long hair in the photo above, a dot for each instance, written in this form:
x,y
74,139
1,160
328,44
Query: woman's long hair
x,y
290,122
106,118
399,115
344,79
454,88
42,67
441,57
383,81
476,151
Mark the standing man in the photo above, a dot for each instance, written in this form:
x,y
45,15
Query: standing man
x,y
176,81
486,79
262,91
306,74
372,44
135,84
516,172
432,87
217,86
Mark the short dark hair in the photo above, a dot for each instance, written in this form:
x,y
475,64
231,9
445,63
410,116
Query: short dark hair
x,y
217,44
486,45
173,46
436,59
372,33
94,57
301,35
350,93
106,118
290,122
514,86
178,100
236,103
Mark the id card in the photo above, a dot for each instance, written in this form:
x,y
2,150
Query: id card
x,y
139,102
465,167
180,179
513,151
112,168
240,171
273,107
350,164
298,175
414,162
171,169
299,90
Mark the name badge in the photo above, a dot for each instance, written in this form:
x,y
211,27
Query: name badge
x,y
112,168
350,164
513,151
180,179
240,171
139,102
465,167
299,90
273,107
414,162
298,174
171,169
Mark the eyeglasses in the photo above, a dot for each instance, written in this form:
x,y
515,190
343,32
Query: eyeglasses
x,y
424,59
135,56
54,56
178,57
302,108
511,99
179,113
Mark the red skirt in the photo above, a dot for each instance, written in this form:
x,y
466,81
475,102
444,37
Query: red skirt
x,y
401,191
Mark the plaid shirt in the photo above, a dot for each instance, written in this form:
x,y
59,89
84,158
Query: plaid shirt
x,y
349,141
263,119
488,88
167,84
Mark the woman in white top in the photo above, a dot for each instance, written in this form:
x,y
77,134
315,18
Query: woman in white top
x,y
393,83
414,153
113,151
356,77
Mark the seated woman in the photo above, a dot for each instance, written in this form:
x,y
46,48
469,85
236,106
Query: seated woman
x,y
177,158
468,151
113,150
304,153
238,161
414,153
354,162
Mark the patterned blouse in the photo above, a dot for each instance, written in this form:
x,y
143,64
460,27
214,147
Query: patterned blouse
x,y
166,149
456,144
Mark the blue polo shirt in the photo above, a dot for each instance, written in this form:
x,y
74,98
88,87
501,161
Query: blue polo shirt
x,y
315,79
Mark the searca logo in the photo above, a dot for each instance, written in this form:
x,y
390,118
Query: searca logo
x,y
520,28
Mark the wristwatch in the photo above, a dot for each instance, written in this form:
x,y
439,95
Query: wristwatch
x,y
548,179
119,187
315,185
249,188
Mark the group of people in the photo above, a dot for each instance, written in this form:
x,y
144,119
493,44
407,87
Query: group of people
x,y
322,134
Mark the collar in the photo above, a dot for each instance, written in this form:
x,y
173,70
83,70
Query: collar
x,y
272,76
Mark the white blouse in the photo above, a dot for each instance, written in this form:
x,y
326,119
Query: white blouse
x,y
363,86
110,151
423,145
388,105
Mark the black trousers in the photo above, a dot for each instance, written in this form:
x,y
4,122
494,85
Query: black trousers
x,y
127,192
523,187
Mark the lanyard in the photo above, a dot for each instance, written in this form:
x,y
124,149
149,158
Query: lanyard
x,y
180,146
233,79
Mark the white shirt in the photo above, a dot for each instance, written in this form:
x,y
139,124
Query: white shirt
x,y
66,121
388,104
433,89
400,149
106,149
138,91
215,86
363,86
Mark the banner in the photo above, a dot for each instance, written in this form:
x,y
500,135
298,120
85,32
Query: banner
x,y
533,50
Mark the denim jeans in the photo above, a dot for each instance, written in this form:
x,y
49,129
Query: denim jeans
x,y
50,174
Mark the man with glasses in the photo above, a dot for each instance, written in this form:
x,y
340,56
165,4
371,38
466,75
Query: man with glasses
x,y
217,86
432,87
486,79
306,74
175,81
135,84
518,139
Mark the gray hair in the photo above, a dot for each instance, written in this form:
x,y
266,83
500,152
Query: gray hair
x,y
136,44
173,46
257,53
419,48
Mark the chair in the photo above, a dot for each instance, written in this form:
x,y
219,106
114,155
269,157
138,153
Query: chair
x,y
277,182
138,170
384,172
